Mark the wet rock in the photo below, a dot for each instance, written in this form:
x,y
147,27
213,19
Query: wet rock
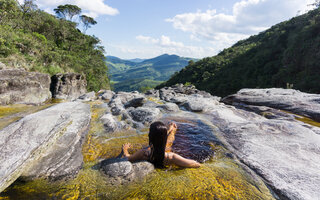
x,y
121,171
286,99
44,144
169,107
285,153
68,86
18,86
144,114
136,102
88,96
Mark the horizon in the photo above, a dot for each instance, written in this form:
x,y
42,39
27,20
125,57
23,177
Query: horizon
x,y
140,29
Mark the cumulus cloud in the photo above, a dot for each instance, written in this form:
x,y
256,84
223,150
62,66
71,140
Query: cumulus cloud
x,y
93,8
248,17
164,44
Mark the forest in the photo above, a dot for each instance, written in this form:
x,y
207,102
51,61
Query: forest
x,y
38,41
285,56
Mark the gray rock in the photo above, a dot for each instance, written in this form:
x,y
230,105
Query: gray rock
x,y
121,171
144,114
68,86
44,144
18,86
91,96
286,99
151,104
153,93
136,102
285,153
106,94
117,110
198,103
169,107
2,66
109,123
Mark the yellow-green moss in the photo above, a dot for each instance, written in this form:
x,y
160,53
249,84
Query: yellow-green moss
x,y
308,121
13,109
12,113
155,100
304,119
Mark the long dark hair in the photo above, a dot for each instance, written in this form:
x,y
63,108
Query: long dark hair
x,y
157,141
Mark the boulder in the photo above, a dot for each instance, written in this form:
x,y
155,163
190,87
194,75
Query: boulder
x,y
144,115
169,107
106,94
198,103
109,123
285,153
18,86
90,96
44,144
291,100
68,86
121,171
136,102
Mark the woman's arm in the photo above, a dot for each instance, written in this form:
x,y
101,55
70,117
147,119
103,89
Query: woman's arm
x,y
178,160
171,136
139,155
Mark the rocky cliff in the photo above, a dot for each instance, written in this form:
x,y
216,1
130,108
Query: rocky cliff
x,y
18,86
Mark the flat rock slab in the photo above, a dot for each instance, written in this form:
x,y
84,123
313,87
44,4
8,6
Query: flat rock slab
x,y
286,99
46,143
285,153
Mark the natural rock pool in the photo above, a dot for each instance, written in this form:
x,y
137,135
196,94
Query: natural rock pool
x,y
221,176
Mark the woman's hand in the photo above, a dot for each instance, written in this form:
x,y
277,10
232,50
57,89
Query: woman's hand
x,y
172,126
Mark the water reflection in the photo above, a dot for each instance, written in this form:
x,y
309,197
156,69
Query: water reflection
x,y
194,139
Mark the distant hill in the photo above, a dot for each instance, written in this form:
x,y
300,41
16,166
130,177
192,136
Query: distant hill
x,y
139,74
286,55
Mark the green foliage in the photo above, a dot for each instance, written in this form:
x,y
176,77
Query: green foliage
x,y
148,73
286,53
38,41
87,22
67,11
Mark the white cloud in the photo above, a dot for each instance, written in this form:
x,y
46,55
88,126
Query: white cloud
x,y
164,44
248,17
93,8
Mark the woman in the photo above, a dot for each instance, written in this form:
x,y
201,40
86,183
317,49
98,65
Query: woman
x,y
158,152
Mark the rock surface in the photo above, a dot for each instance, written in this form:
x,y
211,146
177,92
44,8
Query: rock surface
x,y
286,99
121,171
44,144
18,86
68,86
285,152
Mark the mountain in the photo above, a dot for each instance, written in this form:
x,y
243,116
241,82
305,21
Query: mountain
x,y
286,55
128,75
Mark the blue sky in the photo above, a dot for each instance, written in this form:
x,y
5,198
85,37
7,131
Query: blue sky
x,y
148,28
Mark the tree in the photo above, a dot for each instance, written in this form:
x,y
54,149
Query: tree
x,y
87,22
67,11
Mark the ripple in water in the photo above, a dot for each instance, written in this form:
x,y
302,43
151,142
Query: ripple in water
x,y
194,139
